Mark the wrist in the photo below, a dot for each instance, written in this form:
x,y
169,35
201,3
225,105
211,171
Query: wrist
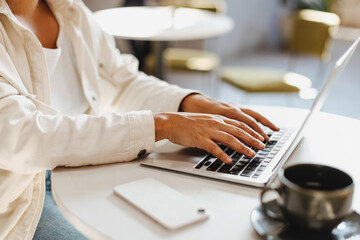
x,y
162,126
189,102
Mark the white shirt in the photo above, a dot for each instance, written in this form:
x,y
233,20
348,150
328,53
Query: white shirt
x,y
66,92
36,137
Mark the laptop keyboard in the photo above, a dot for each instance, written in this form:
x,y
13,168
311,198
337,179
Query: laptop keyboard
x,y
243,165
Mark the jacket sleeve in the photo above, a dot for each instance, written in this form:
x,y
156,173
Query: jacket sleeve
x,y
32,141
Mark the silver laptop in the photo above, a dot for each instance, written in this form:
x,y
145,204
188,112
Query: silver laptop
x,y
257,171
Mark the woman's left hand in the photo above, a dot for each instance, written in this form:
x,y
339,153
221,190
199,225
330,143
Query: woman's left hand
x,y
198,103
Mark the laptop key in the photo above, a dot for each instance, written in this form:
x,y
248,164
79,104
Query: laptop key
x,y
250,168
254,164
229,151
236,169
246,173
271,142
223,147
236,156
215,165
264,152
207,163
261,157
257,159
262,168
242,164
245,160
201,163
226,167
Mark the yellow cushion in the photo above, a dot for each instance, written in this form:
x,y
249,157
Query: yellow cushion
x,y
265,79
217,6
190,59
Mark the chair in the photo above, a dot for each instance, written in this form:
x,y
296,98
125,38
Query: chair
x,y
193,59
188,59
312,34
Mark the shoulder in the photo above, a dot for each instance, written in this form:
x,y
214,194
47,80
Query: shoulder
x,y
90,29
88,21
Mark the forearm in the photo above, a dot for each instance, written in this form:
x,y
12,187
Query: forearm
x,y
136,90
148,93
33,141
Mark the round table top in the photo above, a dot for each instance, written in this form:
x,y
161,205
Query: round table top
x,y
85,195
163,23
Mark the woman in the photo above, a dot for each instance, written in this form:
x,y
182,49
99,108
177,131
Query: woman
x,y
68,98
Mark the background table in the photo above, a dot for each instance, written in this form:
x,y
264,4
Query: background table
x,y
162,24
85,195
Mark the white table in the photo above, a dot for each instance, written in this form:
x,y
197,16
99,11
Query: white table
x,y
162,24
85,195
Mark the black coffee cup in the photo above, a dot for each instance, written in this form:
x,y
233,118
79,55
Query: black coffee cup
x,y
311,196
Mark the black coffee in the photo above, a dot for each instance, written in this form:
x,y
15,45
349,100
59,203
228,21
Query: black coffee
x,y
317,177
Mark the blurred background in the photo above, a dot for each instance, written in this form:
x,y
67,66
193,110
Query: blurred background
x,y
277,52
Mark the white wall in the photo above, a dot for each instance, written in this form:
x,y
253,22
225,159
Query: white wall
x,y
256,25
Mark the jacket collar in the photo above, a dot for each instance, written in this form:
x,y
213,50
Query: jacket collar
x,y
58,7
5,9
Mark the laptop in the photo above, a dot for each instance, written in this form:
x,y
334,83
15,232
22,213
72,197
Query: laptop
x,y
256,171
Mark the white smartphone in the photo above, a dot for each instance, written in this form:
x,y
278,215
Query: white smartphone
x,y
161,203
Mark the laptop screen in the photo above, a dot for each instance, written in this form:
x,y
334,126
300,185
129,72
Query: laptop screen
x,y
319,101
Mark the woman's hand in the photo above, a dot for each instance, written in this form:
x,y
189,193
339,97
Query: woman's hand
x,y
202,104
205,131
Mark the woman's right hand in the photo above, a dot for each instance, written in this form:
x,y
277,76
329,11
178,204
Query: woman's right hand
x,y
205,131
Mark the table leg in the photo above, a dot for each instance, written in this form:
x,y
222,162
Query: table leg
x,y
159,72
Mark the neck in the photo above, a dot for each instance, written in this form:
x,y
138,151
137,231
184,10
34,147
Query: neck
x,y
22,7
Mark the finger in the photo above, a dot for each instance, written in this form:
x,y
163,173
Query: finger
x,y
251,122
242,136
246,128
211,147
260,118
233,143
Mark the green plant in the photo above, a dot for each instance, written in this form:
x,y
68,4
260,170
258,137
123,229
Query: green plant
x,y
320,5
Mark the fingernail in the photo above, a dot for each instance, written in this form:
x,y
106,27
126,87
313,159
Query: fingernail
x,y
252,153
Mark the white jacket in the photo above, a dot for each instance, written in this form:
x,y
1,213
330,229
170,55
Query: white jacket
x,y
35,137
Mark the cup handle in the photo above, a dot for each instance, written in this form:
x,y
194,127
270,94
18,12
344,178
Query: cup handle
x,y
265,207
